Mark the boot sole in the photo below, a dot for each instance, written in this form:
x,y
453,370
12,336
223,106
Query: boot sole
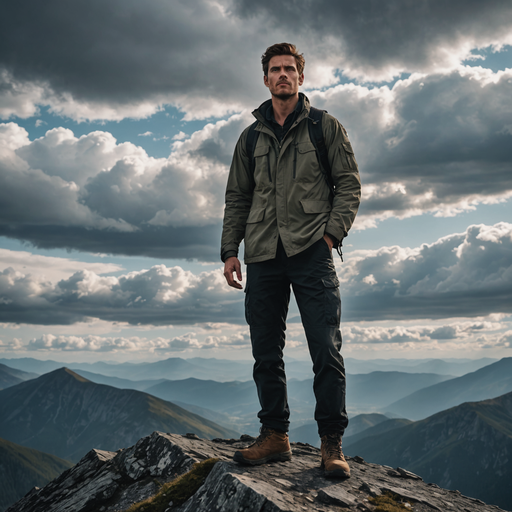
x,y
335,473
276,457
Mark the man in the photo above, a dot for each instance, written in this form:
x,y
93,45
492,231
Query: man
x,y
291,212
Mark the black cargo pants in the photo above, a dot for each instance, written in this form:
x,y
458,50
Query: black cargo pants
x,y
315,284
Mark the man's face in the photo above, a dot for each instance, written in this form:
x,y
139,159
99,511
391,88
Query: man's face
x,y
283,79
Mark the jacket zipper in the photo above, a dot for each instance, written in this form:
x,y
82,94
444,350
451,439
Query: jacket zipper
x,y
268,167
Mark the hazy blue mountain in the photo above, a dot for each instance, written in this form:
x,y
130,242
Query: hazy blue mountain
x,y
223,370
218,396
140,385
65,414
374,390
308,433
379,428
455,367
488,382
23,468
466,448
12,376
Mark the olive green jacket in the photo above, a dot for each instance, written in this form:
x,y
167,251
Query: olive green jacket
x,y
291,198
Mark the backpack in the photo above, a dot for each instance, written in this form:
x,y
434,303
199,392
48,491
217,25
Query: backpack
x,y
316,136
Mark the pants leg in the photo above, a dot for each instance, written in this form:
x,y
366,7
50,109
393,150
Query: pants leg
x,y
316,287
266,306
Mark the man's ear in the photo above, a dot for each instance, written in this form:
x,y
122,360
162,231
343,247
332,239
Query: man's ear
x,y
265,80
301,79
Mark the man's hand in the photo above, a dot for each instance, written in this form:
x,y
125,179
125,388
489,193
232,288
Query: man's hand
x,y
328,239
233,265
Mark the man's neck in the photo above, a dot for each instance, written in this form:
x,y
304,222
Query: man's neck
x,y
283,108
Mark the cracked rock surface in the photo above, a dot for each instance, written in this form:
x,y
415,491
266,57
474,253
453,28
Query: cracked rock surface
x,y
112,481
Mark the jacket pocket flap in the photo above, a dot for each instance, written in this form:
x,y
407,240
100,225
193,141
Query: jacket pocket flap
x,y
330,282
261,150
348,147
256,215
305,147
312,206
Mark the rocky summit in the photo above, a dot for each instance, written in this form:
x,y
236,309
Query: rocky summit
x,y
113,481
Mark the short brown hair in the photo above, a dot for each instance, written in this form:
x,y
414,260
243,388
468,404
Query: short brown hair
x,y
282,49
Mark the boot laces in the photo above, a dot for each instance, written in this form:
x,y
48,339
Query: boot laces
x,y
333,446
264,434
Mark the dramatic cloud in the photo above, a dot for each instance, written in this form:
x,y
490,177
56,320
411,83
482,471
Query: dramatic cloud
x,y
468,274
92,194
440,143
375,40
98,60
462,275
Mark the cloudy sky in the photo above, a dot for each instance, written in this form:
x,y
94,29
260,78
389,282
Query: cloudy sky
x,y
118,122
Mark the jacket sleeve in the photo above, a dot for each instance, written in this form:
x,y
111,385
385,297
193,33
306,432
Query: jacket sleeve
x,y
239,192
345,175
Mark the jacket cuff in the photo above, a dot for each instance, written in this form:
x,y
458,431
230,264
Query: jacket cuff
x,y
335,232
335,241
228,254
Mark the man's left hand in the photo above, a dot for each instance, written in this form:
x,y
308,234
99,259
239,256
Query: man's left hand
x,y
327,238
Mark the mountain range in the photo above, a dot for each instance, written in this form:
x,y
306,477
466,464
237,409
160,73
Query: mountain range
x,y
66,415
467,447
11,376
488,382
22,468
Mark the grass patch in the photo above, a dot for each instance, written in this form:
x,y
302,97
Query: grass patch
x,y
178,491
388,502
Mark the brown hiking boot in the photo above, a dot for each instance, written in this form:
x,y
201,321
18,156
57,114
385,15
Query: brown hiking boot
x,y
333,461
271,445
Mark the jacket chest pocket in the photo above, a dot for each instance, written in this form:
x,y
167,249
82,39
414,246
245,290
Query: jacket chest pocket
x,y
262,172
305,162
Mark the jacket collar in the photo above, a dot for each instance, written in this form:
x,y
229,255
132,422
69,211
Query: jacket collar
x,y
261,112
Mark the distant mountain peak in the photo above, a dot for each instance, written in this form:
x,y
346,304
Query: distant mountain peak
x,y
66,373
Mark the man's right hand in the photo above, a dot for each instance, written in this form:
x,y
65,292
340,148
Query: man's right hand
x,y
233,265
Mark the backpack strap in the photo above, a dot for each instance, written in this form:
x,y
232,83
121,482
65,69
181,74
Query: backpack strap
x,y
250,146
317,138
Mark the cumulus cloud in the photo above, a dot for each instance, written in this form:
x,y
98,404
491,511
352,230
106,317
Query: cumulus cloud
x,y
93,343
460,331
90,193
467,274
461,275
434,143
158,296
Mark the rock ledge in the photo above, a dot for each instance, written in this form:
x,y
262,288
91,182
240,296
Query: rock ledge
x,y
111,481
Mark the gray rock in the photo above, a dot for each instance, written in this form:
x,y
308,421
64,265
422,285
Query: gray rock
x,y
112,481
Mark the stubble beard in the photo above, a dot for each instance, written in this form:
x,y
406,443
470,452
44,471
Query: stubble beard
x,y
283,96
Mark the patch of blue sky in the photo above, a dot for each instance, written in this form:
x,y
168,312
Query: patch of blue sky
x,y
160,128
414,231
491,59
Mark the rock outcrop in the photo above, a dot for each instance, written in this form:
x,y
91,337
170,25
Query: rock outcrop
x,y
112,481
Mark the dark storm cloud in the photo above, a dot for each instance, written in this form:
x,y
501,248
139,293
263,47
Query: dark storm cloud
x,y
462,275
372,37
125,52
117,58
432,143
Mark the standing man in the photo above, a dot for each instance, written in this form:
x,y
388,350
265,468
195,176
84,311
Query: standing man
x,y
292,195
